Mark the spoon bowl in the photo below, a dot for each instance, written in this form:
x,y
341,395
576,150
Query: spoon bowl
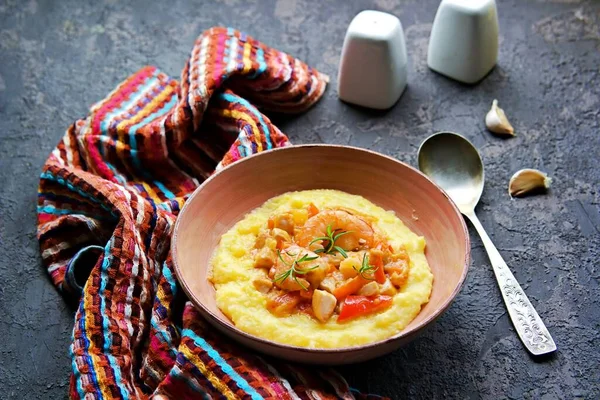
x,y
452,162
455,165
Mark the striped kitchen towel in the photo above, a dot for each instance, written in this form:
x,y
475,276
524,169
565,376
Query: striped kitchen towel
x,y
108,198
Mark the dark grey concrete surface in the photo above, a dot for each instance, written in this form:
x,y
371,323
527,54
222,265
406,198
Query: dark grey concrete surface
x,y
58,57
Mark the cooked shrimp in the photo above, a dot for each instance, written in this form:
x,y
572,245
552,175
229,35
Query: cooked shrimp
x,y
282,303
360,232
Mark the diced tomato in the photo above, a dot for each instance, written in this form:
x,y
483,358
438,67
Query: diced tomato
x,y
281,244
357,306
349,287
380,274
312,210
271,223
376,260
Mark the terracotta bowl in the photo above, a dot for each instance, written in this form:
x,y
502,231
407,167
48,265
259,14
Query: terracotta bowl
x,y
229,195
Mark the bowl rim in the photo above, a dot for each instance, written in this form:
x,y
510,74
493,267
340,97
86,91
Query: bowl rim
x,y
320,350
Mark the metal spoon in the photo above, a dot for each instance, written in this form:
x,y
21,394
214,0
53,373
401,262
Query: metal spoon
x,y
453,163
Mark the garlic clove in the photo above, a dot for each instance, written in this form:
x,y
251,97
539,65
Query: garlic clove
x,y
496,121
528,181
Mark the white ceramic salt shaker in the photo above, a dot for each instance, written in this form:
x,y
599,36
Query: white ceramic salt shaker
x,y
373,68
464,39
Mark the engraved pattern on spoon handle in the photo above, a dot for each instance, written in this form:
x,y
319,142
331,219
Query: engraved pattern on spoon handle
x,y
527,322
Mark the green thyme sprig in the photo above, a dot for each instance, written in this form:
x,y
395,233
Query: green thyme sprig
x,y
331,237
294,269
365,268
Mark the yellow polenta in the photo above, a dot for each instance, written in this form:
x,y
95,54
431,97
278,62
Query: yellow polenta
x,y
233,272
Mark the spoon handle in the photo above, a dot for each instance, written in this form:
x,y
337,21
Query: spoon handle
x,y
527,322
